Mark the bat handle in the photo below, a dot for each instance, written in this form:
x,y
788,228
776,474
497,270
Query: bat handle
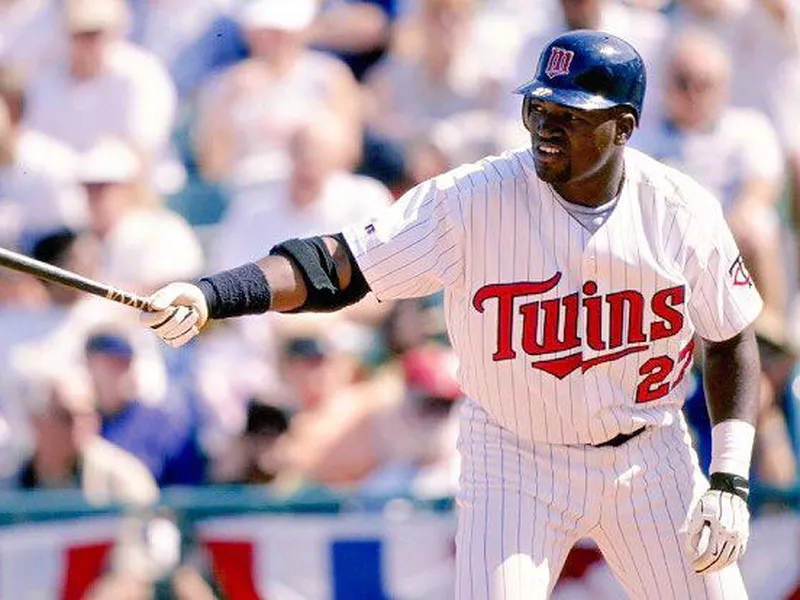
x,y
128,299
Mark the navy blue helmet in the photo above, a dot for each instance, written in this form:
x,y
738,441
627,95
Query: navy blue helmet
x,y
588,69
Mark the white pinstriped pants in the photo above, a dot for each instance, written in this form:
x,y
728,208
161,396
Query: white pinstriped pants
x,y
522,506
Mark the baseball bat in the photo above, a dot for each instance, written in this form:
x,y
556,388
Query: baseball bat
x,y
43,270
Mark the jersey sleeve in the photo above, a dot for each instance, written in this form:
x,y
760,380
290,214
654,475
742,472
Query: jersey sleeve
x,y
413,248
723,300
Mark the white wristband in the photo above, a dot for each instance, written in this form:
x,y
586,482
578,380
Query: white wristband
x,y
732,447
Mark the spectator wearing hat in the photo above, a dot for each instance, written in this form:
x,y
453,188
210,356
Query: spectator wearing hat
x,y
68,451
69,454
144,244
105,86
330,400
248,114
166,446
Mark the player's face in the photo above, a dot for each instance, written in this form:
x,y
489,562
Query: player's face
x,y
572,146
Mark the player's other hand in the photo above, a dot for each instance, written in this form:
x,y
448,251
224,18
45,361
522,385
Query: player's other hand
x,y
177,313
718,530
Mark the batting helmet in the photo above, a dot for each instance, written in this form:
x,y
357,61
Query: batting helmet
x,y
589,70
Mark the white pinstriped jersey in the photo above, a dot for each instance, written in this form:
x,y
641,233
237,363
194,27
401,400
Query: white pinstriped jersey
x,y
565,336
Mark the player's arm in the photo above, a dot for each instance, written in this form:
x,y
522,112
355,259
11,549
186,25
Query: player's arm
x,y
719,526
411,249
731,375
314,274
724,305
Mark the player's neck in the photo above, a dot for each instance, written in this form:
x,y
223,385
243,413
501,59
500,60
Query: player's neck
x,y
598,188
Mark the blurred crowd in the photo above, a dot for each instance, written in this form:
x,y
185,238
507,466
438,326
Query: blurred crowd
x,y
144,141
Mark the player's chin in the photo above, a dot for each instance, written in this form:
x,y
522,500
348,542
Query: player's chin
x,y
552,171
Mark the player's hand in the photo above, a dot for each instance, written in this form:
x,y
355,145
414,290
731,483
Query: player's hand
x,y
177,313
718,530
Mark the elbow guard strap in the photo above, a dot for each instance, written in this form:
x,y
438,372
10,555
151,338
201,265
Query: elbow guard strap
x,y
318,269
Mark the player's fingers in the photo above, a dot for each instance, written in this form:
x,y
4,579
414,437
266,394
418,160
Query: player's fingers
x,y
722,558
173,315
166,296
185,337
155,319
697,536
175,294
737,553
707,548
183,319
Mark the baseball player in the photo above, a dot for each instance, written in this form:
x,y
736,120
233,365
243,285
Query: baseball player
x,y
577,274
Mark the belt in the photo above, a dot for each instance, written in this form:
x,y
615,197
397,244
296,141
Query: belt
x,y
620,439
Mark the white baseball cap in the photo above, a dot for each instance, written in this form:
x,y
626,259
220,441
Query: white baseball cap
x,y
109,160
286,15
95,15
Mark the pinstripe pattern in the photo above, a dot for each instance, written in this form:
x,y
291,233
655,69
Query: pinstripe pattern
x,y
531,484
633,501
495,222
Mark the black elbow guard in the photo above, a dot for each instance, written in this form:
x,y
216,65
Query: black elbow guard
x,y
318,268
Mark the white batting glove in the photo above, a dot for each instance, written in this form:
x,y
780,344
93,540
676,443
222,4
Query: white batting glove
x,y
720,526
178,312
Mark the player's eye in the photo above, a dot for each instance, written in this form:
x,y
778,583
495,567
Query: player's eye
x,y
537,109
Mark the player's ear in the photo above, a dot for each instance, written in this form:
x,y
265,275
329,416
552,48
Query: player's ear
x,y
626,123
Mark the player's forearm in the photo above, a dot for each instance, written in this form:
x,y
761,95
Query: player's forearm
x,y
732,372
731,377
314,274
286,283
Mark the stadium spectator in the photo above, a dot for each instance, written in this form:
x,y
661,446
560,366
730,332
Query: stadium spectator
x,y
176,32
435,78
69,453
53,333
762,38
105,86
165,445
144,244
249,112
319,193
251,459
416,437
328,440
733,152
357,31
37,174
463,138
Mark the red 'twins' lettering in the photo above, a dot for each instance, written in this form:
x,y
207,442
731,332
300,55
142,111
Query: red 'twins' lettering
x,y
552,325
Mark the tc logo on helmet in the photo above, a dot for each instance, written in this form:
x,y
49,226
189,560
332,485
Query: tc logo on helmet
x,y
559,62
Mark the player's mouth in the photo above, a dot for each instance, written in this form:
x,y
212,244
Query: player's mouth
x,y
549,152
